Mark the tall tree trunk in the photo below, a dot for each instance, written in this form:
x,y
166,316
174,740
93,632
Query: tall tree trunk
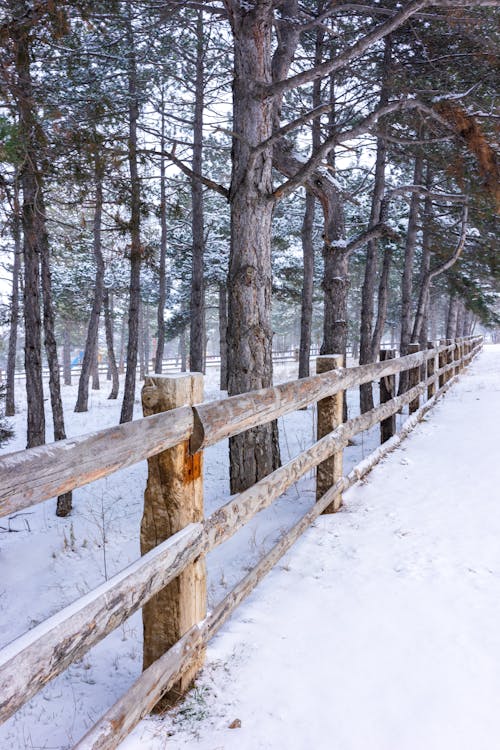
x,y
407,280
145,313
64,502
33,234
368,292
123,327
419,332
107,299
335,277
96,384
460,319
91,342
307,287
451,320
142,352
383,298
223,335
197,326
67,352
306,311
255,453
162,280
336,260
127,411
10,405
183,350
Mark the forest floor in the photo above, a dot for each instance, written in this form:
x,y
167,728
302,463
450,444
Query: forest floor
x,y
378,630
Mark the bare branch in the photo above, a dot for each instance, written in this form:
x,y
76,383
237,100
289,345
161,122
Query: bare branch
x,y
194,175
439,269
422,190
362,45
364,126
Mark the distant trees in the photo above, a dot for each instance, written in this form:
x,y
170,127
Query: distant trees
x,y
195,158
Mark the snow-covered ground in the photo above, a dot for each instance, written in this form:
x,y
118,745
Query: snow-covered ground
x,y
378,630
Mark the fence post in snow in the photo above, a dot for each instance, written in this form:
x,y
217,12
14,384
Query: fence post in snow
x,y
330,416
443,358
173,499
449,360
458,355
414,379
387,392
430,371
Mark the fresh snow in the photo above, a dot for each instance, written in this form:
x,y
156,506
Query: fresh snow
x,y
378,630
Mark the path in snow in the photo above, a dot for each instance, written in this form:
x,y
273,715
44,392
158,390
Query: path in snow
x,y
380,630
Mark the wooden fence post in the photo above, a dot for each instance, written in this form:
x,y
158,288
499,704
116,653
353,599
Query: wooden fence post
x,y
449,360
443,358
458,355
413,379
430,370
387,392
330,416
173,499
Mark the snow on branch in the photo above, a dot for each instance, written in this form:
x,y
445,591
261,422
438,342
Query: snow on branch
x,y
362,45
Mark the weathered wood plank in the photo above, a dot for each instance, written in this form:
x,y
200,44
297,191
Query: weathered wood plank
x,y
230,517
144,694
36,657
119,721
217,420
31,476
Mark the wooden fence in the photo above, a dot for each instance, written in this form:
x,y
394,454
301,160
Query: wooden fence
x,y
173,441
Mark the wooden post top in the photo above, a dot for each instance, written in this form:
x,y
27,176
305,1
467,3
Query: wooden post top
x,y
326,362
165,392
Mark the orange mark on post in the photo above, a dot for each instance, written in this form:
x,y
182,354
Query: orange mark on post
x,y
192,464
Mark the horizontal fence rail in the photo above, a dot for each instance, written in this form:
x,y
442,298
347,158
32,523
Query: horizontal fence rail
x,y
28,477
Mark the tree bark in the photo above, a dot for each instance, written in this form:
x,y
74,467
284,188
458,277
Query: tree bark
x,y
407,280
96,385
336,259
183,350
127,411
451,320
411,243
142,351
33,234
255,453
419,332
368,292
107,299
222,335
383,298
64,502
147,352
197,324
91,342
10,405
162,277
307,227
307,287
67,352
335,278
